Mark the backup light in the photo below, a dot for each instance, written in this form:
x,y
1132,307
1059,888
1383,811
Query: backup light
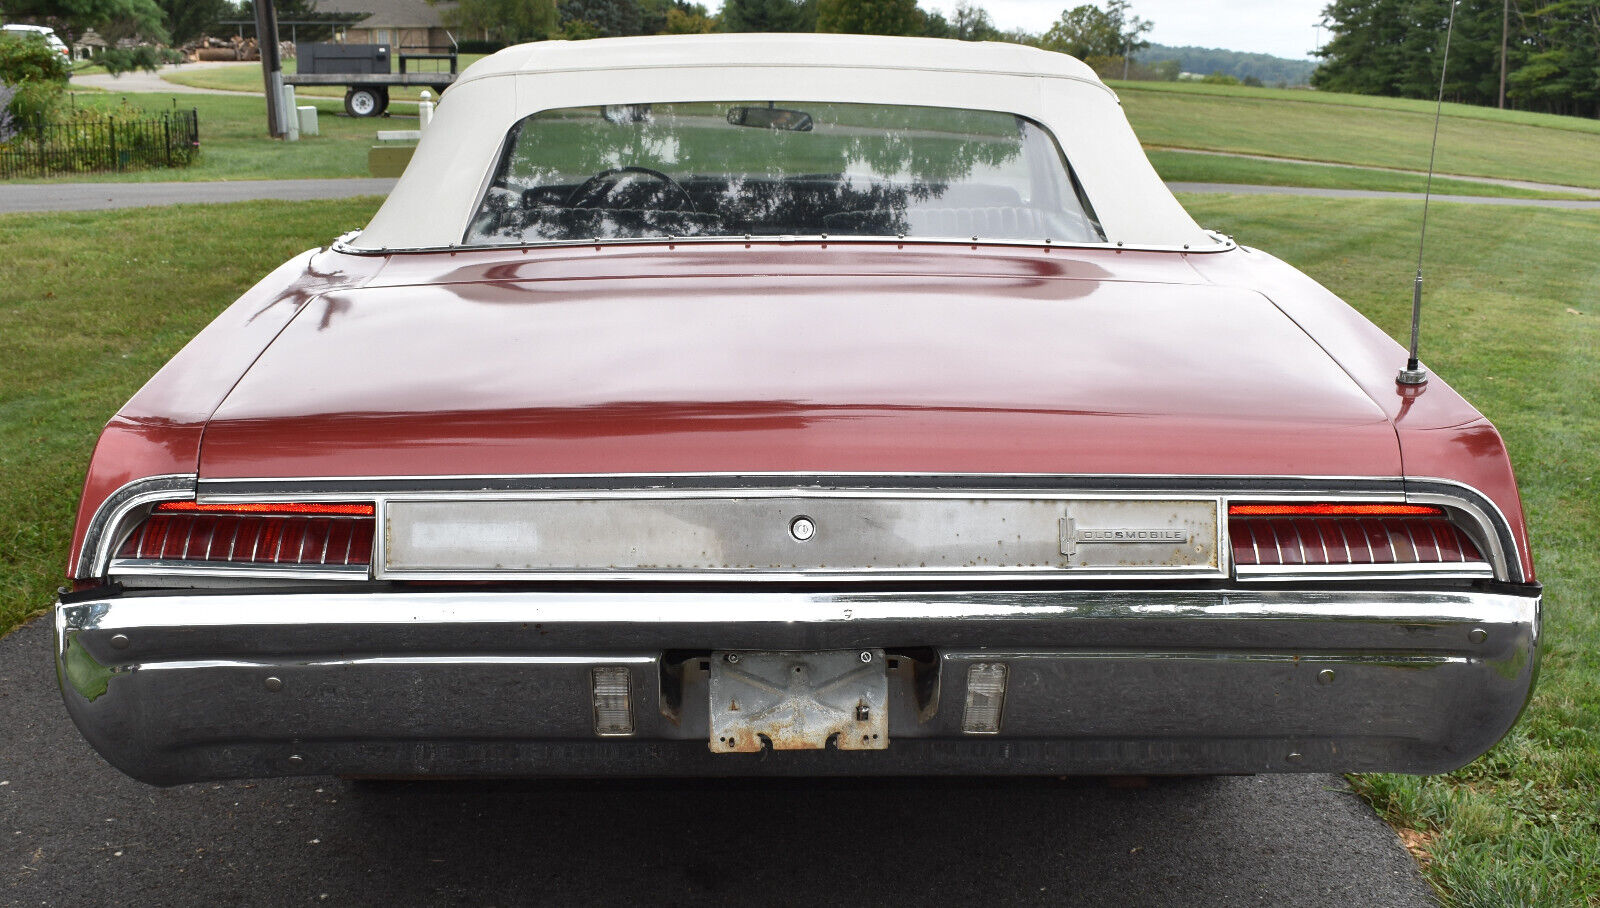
x,y
986,698
613,705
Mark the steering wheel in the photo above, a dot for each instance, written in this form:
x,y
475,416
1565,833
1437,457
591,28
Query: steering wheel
x,y
593,189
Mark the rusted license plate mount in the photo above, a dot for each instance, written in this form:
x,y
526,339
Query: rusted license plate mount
x,y
799,701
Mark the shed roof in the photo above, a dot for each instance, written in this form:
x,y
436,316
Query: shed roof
x,y
389,13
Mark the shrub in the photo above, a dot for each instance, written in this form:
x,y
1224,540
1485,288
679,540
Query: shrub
x,y
479,46
36,75
119,60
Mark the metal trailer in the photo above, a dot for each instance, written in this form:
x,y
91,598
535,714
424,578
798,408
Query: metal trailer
x,y
365,71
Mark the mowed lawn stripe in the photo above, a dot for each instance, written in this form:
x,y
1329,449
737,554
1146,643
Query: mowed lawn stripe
x,y
1353,135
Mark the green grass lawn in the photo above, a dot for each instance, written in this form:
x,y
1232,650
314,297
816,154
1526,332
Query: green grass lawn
x,y
1186,167
1380,136
234,144
1374,102
247,77
92,303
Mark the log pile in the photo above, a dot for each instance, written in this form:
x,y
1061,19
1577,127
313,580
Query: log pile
x,y
234,48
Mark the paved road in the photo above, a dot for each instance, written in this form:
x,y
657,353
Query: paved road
x,y
73,831
139,80
96,196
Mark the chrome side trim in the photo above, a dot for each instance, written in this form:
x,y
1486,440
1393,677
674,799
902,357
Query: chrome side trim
x,y
105,528
1492,522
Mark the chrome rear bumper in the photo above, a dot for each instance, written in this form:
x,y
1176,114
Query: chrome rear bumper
x,y
176,688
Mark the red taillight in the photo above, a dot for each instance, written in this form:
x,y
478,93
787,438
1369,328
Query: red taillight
x,y
1334,534
1334,510
266,507
268,533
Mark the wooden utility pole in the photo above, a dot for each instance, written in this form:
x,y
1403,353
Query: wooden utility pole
x,y
1505,24
271,67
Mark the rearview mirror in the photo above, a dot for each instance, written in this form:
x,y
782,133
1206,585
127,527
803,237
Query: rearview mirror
x,y
770,118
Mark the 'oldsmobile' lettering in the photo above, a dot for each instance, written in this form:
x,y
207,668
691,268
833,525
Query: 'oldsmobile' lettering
x,y
1133,535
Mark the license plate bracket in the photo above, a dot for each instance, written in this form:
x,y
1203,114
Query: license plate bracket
x,y
799,701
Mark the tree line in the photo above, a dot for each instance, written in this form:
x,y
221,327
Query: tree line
x,y
1395,47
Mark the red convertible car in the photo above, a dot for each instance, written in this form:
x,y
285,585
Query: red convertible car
x,y
752,404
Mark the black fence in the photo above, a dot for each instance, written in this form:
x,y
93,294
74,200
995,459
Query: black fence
x,y
86,144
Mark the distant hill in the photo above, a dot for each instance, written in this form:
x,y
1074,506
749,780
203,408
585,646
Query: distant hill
x,y
1206,60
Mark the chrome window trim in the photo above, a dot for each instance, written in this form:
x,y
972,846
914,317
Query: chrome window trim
x,y
1224,244
1493,529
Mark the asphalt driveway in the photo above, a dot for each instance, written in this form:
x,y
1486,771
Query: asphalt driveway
x,y
74,831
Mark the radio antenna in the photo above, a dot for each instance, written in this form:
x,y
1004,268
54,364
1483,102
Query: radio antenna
x,y
1413,373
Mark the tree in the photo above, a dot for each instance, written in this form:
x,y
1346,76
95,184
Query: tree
x,y
189,19
606,18
1396,47
972,23
769,16
508,21
689,19
71,18
1089,31
870,17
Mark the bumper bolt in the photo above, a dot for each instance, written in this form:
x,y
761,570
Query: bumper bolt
x,y
119,642
1325,676
1294,757
295,760
274,684
733,658
1477,635
866,656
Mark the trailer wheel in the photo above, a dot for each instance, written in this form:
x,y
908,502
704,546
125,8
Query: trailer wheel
x,y
366,102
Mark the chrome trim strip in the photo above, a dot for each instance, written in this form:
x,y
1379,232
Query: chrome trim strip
x,y
104,532
613,611
1386,488
126,568
182,665
1291,573
340,245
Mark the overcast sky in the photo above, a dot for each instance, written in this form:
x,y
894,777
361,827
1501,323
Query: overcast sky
x,y
1283,28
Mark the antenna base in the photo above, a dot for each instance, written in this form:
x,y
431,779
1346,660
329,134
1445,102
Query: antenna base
x,y
1417,376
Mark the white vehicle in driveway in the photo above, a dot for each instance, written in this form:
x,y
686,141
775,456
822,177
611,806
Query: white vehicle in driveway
x,y
48,34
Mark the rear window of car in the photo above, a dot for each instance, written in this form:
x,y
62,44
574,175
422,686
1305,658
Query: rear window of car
x,y
780,168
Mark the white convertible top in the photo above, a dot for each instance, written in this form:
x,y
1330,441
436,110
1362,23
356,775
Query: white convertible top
x,y
434,200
